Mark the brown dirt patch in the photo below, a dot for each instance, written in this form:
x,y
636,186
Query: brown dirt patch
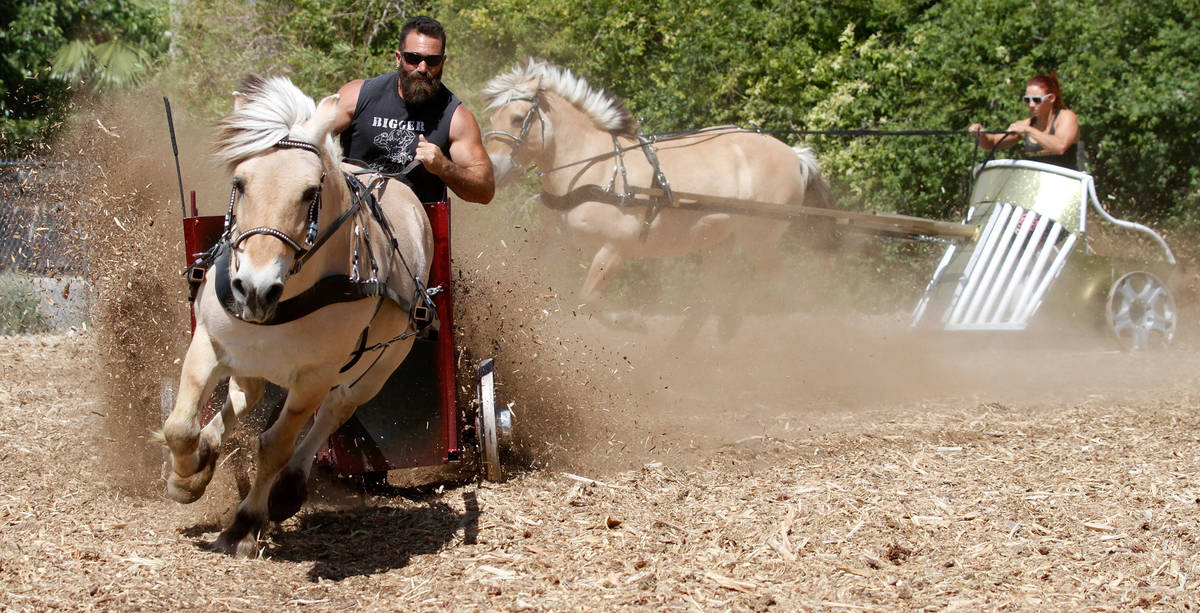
x,y
1073,503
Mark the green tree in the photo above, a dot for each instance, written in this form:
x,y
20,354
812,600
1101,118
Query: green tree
x,y
320,45
102,43
1130,69
102,66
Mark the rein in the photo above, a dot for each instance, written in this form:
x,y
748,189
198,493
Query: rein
x,y
670,136
646,145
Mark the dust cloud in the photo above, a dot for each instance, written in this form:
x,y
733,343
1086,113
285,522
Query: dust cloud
x,y
118,179
827,346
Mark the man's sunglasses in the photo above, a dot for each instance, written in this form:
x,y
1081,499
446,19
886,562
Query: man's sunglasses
x,y
415,59
1025,99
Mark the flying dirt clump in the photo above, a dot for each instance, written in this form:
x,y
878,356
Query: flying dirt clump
x,y
566,389
118,177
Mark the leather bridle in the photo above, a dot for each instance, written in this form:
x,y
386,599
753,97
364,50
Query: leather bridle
x,y
519,139
311,239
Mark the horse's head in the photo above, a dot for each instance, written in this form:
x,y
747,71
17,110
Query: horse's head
x,y
518,133
528,101
278,147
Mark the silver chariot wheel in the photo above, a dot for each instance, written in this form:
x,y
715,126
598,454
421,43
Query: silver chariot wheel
x,y
1141,312
493,424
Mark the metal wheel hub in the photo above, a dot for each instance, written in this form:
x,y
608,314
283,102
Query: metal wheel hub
x,y
1141,312
493,424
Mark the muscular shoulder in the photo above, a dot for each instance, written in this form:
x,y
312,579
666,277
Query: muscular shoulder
x,y
351,89
347,102
462,123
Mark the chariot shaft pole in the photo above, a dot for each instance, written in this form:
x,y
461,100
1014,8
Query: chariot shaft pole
x,y
871,222
175,149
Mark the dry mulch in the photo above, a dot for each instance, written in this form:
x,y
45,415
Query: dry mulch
x,y
1089,504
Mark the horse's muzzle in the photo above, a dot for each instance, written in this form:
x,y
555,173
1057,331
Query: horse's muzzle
x,y
503,169
258,305
257,294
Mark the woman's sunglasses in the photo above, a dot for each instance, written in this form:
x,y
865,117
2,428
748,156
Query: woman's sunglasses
x,y
415,59
1025,99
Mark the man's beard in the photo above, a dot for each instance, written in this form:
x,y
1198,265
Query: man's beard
x,y
417,88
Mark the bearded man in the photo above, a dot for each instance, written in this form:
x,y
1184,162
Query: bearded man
x,y
406,123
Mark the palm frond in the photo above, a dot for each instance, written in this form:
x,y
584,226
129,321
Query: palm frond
x,y
118,63
73,60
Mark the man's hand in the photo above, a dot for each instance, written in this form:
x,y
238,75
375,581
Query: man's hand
x,y
430,156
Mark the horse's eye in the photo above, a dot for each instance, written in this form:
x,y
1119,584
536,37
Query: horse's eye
x,y
239,184
309,194
516,121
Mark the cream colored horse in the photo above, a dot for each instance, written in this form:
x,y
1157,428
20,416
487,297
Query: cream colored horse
x,y
585,146
286,178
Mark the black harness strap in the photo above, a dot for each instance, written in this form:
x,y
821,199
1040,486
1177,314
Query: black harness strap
x,y
357,354
329,290
581,194
333,289
661,180
608,195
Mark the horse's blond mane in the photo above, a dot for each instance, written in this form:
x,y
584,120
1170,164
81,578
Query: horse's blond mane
x,y
271,109
524,81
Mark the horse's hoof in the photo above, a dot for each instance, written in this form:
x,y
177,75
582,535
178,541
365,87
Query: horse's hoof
x,y
287,495
180,490
245,547
187,489
240,539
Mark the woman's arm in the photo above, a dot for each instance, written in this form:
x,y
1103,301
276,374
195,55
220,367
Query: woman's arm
x,y
991,142
1066,133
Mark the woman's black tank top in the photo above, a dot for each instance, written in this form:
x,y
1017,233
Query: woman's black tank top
x,y
383,132
1067,159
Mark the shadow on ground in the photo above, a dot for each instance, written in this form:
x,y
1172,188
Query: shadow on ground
x,y
347,543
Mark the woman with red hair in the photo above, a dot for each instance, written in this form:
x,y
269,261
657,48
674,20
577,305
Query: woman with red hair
x,y
1050,133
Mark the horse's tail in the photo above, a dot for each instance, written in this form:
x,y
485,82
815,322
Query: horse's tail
x,y
819,231
817,192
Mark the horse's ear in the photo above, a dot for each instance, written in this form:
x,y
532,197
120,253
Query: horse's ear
x,y
322,121
239,99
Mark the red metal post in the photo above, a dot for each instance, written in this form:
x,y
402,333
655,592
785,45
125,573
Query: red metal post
x,y
199,234
439,218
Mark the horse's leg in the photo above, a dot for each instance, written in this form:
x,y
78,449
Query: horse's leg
x,y
193,458
291,488
713,284
275,446
244,393
711,232
604,264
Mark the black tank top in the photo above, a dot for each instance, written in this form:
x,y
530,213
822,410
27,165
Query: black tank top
x,y
383,132
1067,159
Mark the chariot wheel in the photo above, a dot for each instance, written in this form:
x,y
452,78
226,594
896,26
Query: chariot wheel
x,y
1140,312
493,425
